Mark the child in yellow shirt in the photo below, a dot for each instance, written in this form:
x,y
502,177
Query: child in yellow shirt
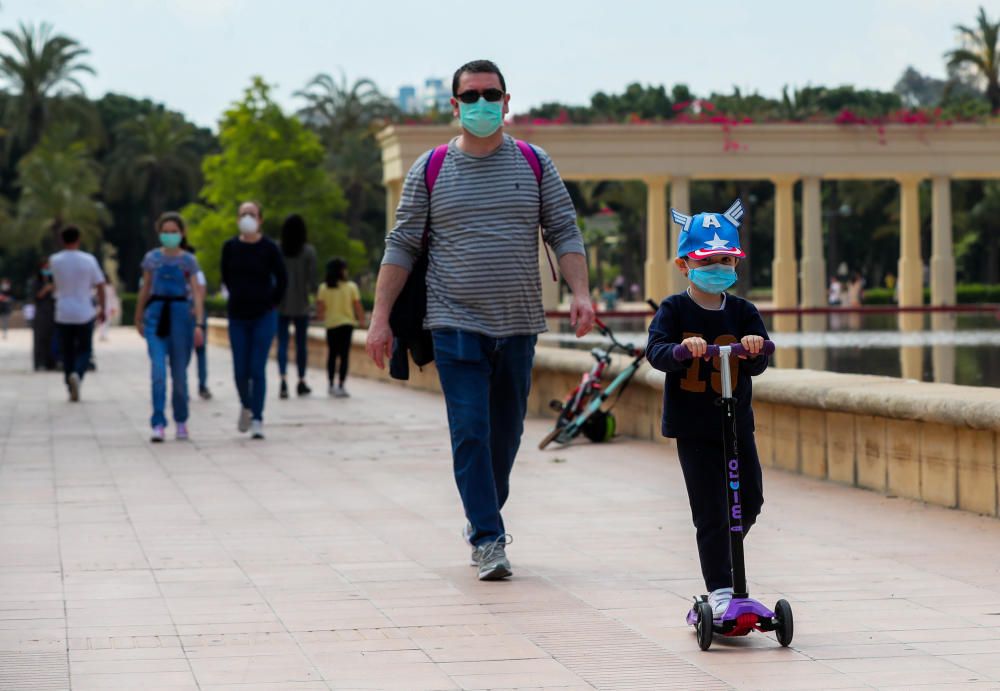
x,y
339,307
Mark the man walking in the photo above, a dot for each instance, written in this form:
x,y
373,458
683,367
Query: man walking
x,y
76,274
484,304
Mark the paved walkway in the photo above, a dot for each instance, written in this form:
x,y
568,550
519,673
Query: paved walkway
x,y
329,557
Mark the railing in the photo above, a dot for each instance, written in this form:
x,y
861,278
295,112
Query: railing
x,y
981,308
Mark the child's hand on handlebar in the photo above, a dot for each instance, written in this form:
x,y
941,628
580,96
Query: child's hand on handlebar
x,y
696,346
753,344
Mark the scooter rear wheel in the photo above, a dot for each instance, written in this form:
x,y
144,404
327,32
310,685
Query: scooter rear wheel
x,y
703,627
784,622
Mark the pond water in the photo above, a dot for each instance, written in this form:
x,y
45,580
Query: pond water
x,y
958,349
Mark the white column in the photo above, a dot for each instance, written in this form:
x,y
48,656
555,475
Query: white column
x,y
911,270
680,199
656,266
911,274
942,254
784,268
813,269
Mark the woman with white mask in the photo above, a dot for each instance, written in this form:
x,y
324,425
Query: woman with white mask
x,y
253,271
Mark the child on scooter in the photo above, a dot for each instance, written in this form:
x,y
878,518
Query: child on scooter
x,y
707,254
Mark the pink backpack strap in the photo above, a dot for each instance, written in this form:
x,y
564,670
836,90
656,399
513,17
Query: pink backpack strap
x,y
531,156
434,164
431,172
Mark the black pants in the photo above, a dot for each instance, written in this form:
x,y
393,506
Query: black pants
x,y
76,341
338,344
703,464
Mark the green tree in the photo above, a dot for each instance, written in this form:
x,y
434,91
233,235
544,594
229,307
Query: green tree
x,y
39,66
980,54
60,183
274,159
154,159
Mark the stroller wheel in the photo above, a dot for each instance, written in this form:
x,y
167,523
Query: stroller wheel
x,y
784,622
703,627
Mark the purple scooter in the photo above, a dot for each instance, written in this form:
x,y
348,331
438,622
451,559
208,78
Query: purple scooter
x,y
744,614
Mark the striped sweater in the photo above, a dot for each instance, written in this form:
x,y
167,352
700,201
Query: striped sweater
x,y
483,274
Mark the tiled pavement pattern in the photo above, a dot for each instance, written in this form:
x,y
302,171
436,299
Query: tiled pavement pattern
x,y
329,557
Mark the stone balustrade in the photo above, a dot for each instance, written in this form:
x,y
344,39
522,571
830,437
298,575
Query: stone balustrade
x,y
937,443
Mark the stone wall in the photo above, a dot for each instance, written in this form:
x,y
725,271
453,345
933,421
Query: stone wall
x,y
937,443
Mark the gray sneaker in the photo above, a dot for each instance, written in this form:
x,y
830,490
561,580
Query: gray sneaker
x,y
491,558
73,382
243,423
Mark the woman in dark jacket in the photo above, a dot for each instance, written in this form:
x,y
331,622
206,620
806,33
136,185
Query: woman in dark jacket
x,y
42,294
300,265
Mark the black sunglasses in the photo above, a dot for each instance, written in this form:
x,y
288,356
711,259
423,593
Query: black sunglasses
x,y
471,96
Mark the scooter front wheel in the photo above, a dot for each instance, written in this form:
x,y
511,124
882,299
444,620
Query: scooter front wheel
x,y
703,627
784,623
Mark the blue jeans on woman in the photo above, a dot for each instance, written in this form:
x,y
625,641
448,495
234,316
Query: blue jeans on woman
x,y
174,348
301,349
485,382
250,340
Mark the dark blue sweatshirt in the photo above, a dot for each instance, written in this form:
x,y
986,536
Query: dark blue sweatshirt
x,y
693,386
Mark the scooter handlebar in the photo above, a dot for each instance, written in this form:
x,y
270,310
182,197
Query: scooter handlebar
x,y
682,353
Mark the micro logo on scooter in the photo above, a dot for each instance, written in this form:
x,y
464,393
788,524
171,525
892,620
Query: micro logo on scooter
x,y
734,485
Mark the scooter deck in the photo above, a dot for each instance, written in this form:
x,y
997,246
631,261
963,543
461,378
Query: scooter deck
x,y
742,616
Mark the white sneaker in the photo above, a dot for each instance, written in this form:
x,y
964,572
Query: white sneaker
x,y
257,429
341,392
720,599
158,434
182,431
243,423
332,391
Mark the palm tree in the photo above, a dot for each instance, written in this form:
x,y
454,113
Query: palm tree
x,y
346,117
40,66
59,183
154,158
980,55
337,107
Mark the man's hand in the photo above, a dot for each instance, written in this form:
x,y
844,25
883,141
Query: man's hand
x,y
581,314
379,343
199,337
139,325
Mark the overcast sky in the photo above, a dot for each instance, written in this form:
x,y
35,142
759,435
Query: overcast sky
x,y
198,55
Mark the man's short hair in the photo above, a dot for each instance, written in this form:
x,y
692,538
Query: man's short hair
x,y
70,235
477,67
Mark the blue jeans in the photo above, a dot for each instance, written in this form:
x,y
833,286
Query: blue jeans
x,y
250,340
486,383
203,359
175,348
301,349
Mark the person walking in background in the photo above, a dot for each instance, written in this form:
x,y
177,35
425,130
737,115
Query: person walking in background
x,y
300,265
339,308
6,305
200,350
76,274
41,291
163,316
113,305
253,271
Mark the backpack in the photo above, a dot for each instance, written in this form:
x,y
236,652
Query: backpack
x,y
407,316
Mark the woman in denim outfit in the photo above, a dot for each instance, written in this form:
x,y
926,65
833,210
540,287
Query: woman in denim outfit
x,y
163,316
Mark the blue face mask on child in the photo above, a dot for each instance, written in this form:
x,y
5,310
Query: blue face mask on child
x,y
713,279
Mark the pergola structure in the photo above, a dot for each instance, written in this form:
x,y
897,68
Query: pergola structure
x,y
672,155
